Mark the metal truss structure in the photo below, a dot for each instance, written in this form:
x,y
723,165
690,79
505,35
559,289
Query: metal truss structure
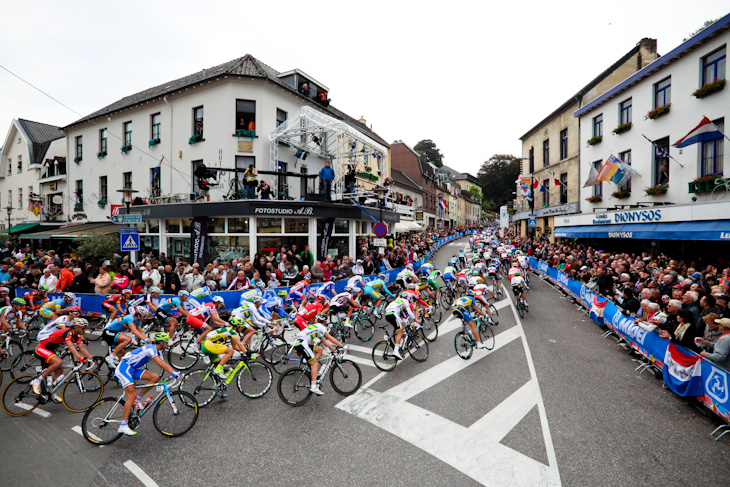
x,y
317,134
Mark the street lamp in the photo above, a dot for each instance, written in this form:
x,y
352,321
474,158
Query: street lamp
x,y
127,193
382,191
9,209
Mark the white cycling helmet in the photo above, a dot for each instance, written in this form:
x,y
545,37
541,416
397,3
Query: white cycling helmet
x,y
218,300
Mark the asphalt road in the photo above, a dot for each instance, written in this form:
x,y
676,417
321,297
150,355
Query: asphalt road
x,y
552,404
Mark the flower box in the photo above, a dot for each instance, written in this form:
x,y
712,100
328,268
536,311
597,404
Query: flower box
x,y
246,133
624,127
620,195
77,159
595,140
79,207
195,138
658,112
657,190
101,155
709,88
102,203
126,148
367,175
704,184
154,142
594,199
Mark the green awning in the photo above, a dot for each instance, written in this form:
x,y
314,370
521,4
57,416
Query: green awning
x,y
22,227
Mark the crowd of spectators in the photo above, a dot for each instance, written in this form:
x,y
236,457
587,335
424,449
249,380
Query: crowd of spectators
x,y
685,302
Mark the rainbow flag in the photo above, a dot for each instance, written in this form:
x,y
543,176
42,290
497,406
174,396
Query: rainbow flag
x,y
609,169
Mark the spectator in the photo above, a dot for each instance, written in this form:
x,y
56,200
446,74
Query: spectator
x,y
225,276
152,273
689,302
605,282
350,178
712,330
707,306
326,176
289,274
80,283
137,287
48,279
120,280
66,279
265,190
240,283
194,280
102,282
250,182
369,266
307,257
171,281
316,271
684,333
327,272
358,269
718,352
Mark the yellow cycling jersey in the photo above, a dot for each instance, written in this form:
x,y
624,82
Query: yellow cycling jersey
x,y
221,335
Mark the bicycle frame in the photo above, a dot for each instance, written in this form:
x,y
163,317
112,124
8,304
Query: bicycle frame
x,y
160,387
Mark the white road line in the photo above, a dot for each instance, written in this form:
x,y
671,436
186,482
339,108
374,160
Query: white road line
x,y
38,411
374,380
139,473
502,304
499,421
78,430
360,360
359,348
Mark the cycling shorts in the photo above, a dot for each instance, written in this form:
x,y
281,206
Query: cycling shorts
x,y
127,374
341,309
162,315
110,337
213,349
433,284
463,314
449,277
301,322
198,324
46,312
370,291
517,289
108,307
295,296
393,320
305,350
47,352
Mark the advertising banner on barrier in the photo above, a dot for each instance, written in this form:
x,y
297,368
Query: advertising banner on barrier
x,y
714,379
324,244
199,241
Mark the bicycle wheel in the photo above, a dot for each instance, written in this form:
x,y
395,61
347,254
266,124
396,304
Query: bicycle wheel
x,y
293,386
280,360
486,335
418,347
174,416
82,391
26,363
436,314
520,309
201,385
383,357
94,329
463,345
430,329
254,380
18,397
102,369
345,377
446,299
10,352
493,310
364,330
102,420
182,355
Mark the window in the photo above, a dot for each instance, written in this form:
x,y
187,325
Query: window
x,y
79,147
303,181
598,126
713,66
546,153
625,157
10,197
268,225
127,128
246,115
79,191
103,188
563,144
563,188
198,121
281,116
20,164
20,198
546,193
155,181
281,179
624,112
661,161
102,141
10,166
711,153
127,179
242,163
155,124
196,164
531,159
598,188
662,93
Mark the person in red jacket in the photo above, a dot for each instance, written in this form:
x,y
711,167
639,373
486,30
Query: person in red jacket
x,y
308,313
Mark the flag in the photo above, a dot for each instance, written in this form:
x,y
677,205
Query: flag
x,y
682,372
608,169
598,306
535,184
704,132
542,189
442,204
624,173
592,175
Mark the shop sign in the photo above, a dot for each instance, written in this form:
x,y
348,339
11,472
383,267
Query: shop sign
x,y
303,211
419,215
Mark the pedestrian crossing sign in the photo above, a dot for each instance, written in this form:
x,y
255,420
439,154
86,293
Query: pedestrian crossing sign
x,y
129,241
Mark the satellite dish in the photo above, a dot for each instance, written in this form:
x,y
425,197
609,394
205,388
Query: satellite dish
x,y
57,199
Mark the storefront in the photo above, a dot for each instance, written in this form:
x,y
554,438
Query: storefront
x,y
542,222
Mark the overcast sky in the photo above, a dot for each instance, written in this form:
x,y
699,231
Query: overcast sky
x,y
472,76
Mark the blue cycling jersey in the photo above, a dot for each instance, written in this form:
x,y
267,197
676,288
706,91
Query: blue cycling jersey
x,y
169,304
122,324
139,357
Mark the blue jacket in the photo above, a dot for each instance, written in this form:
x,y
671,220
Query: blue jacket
x,y
327,174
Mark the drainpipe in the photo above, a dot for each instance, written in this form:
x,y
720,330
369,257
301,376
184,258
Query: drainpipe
x,y
164,98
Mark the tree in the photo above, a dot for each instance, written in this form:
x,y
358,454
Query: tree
x,y
497,178
97,248
428,150
475,192
489,206
704,26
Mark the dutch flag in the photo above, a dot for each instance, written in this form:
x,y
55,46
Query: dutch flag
x,y
704,132
682,372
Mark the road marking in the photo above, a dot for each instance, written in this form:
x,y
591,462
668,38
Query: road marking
x,y
78,430
360,360
359,348
139,473
499,421
502,304
40,412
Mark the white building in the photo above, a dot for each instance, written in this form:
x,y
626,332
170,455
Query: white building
x,y
32,150
669,84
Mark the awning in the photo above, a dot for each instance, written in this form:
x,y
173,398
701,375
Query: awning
x,y
73,231
718,230
22,227
407,226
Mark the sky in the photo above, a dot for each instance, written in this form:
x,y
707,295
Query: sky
x,y
471,76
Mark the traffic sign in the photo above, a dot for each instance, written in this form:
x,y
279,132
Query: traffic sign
x,y
127,229
380,242
532,223
129,241
127,219
380,229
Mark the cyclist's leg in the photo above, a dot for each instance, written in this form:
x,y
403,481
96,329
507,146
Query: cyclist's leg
x,y
173,324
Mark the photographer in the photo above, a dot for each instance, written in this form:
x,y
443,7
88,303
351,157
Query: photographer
x,y
202,175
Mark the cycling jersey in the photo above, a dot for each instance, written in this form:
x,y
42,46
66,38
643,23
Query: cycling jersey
x,y
271,305
10,314
307,314
204,312
121,324
342,299
191,303
479,267
461,308
311,332
145,299
215,342
112,301
46,349
38,300
433,279
253,314
399,312
405,274
426,268
326,288
168,305
50,307
449,273
200,293
371,288
53,326
355,282
504,256
247,296
513,271
524,261
299,290
516,281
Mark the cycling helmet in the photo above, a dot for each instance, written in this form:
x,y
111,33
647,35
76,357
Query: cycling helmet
x,y
211,285
218,300
409,267
161,336
333,279
282,294
412,287
235,321
480,280
257,300
348,289
381,276
80,322
183,294
470,292
4,290
74,309
404,295
154,290
70,296
43,288
261,285
142,311
126,292
18,301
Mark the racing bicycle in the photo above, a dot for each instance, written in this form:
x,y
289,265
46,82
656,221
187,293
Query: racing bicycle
x,y
294,384
464,342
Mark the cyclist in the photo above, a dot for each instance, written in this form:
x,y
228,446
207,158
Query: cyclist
x,y
151,299
450,275
463,277
36,298
399,313
252,318
406,276
52,309
461,308
504,258
426,269
198,318
166,306
204,291
344,303
248,295
131,368
215,345
12,316
46,350
114,336
300,292
455,262
62,321
518,286
371,289
462,257
523,260
4,294
303,344
188,302
116,303
273,307
480,289
479,269
325,289
306,315
356,283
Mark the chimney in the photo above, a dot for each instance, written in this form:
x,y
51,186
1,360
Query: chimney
x,y
363,121
647,52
